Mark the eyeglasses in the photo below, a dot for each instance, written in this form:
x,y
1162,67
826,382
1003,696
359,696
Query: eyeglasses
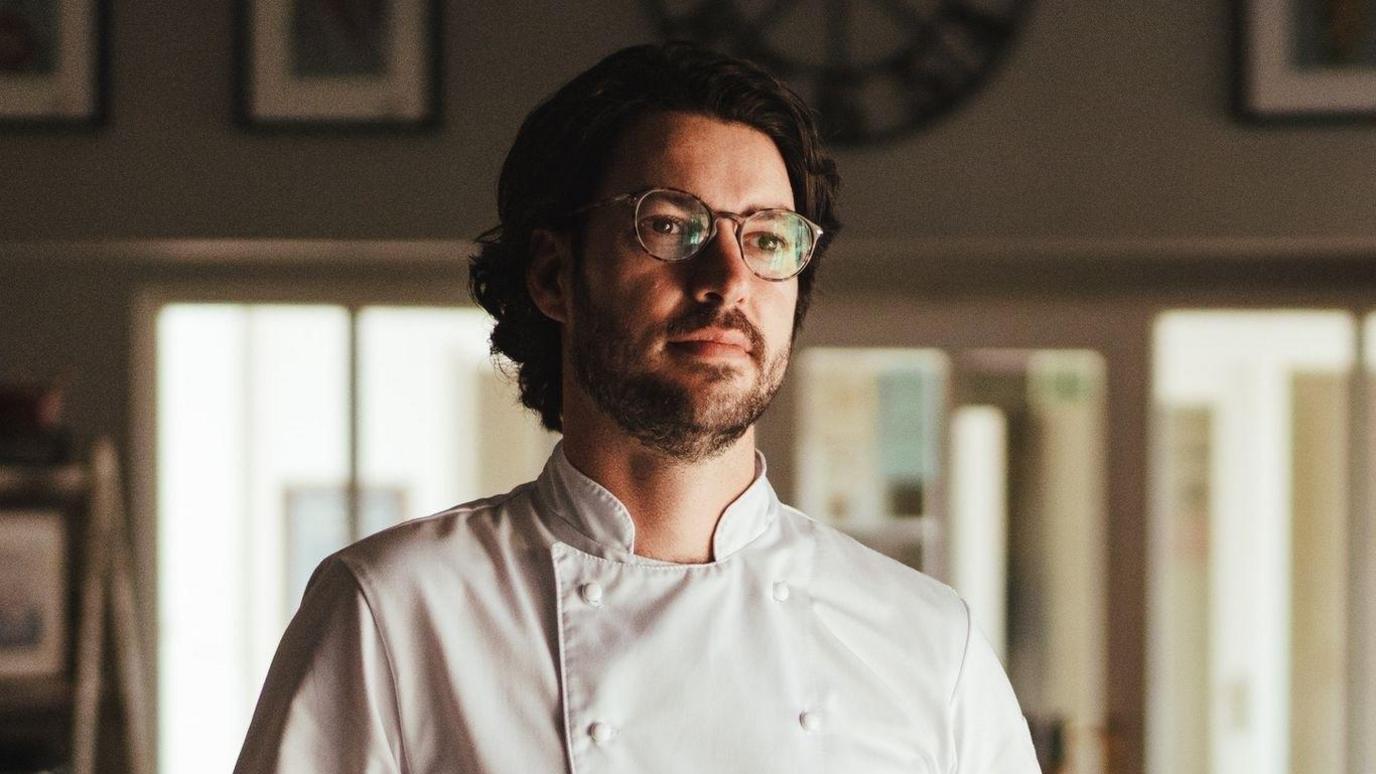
x,y
675,225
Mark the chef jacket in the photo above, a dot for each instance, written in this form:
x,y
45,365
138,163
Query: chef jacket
x,y
521,634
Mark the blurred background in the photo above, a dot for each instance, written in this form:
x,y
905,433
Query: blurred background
x,y
1094,346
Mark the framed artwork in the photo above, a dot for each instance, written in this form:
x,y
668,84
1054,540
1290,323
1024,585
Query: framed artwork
x,y
1306,59
52,63
313,64
33,593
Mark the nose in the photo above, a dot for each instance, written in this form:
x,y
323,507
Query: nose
x,y
719,274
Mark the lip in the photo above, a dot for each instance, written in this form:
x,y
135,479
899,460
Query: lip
x,y
714,339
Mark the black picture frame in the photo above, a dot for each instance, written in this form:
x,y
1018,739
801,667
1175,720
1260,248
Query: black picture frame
x,y
376,68
1291,65
55,69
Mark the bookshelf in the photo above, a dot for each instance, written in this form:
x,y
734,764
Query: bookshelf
x,y
41,695
42,483
54,718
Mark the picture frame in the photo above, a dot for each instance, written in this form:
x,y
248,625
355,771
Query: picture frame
x,y
339,64
53,63
34,597
1304,60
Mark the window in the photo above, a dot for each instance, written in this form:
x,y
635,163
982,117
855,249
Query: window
x,y
1249,632
1018,523
284,433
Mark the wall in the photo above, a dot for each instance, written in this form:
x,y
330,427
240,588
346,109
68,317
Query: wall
x,y
1108,120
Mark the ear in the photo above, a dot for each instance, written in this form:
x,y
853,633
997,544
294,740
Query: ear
x,y
549,277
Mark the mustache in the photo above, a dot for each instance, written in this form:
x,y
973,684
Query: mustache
x,y
700,317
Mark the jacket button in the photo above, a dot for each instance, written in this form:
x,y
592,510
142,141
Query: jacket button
x,y
601,733
591,593
781,591
811,722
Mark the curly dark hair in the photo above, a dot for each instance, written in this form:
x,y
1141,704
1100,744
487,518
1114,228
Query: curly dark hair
x,y
562,150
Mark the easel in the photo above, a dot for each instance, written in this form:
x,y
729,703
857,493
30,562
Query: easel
x,y
107,586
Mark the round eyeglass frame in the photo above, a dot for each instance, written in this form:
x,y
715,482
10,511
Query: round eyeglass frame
x,y
740,219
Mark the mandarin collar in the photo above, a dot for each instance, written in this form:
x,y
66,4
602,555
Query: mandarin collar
x,y
607,529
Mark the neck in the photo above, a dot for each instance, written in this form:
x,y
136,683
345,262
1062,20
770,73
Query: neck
x,y
675,505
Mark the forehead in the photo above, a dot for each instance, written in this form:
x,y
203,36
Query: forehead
x,y
729,165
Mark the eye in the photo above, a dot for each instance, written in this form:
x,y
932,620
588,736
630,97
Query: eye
x,y
662,225
766,242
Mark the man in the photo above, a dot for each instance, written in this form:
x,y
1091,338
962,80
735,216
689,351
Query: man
x,y
646,605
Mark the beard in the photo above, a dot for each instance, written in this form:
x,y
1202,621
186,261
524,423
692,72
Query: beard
x,y
660,413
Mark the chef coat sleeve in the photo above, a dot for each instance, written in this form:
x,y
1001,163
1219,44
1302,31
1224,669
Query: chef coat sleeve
x,y
991,735
329,702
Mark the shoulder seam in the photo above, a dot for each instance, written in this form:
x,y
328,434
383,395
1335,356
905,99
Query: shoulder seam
x,y
469,509
965,651
460,514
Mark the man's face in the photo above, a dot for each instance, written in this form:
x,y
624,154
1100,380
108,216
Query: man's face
x,y
682,356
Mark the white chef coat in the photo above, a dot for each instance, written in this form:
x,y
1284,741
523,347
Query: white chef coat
x,y
522,635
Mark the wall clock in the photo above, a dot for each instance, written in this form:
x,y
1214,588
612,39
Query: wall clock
x,y
872,69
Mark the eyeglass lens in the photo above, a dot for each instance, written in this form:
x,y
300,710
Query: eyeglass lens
x,y
673,226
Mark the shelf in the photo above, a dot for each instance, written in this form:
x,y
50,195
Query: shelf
x,y
72,708
35,696
64,481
